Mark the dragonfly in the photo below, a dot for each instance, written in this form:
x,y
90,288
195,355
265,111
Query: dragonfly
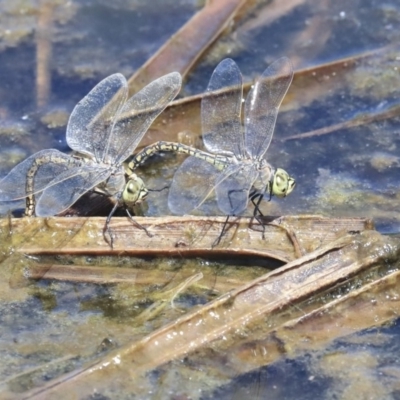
x,y
235,165
103,130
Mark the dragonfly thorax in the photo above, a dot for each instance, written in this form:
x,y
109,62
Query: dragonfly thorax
x,y
264,179
115,183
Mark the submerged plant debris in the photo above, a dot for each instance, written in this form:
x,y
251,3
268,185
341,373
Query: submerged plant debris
x,y
141,327
312,311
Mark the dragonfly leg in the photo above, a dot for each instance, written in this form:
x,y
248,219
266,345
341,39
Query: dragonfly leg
x,y
107,229
257,214
223,230
256,198
137,223
107,224
230,193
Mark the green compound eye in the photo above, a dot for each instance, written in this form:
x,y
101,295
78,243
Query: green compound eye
x,y
134,191
282,184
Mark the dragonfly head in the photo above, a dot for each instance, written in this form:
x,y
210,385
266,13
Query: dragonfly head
x,y
282,183
134,191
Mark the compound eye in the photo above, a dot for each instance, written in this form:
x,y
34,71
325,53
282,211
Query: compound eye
x,y
131,188
131,192
291,185
280,185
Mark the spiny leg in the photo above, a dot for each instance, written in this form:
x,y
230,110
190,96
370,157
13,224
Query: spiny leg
x,y
257,214
137,223
107,226
223,230
256,195
230,193
256,198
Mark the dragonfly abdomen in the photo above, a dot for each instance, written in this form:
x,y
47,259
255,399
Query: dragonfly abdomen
x,y
37,163
219,161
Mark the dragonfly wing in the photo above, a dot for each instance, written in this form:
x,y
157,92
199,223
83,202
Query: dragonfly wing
x,y
34,174
138,113
233,186
68,187
193,183
91,121
220,110
262,106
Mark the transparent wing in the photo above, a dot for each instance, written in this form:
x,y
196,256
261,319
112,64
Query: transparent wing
x,y
34,174
138,113
262,106
91,121
193,182
68,187
220,110
233,186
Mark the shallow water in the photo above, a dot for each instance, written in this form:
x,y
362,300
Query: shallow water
x,y
348,172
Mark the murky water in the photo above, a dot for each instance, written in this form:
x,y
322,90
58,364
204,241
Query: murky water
x,y
53,53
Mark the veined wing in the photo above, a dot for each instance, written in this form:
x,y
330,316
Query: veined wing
x,y
34,174
138,113
220,110
262,106
68,187
233,186
193,182
91,121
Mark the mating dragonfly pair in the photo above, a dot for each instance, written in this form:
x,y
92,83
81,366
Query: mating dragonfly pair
x,y
105,128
